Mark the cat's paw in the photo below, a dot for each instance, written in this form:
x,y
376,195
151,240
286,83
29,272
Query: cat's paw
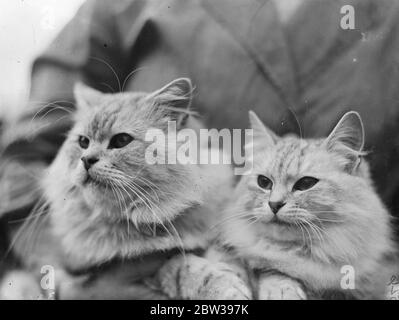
x,y
224,286
197,278
277,287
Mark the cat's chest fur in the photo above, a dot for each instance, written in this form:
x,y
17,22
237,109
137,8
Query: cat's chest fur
x,y
90,235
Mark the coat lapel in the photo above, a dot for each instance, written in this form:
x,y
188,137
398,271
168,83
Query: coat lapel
x,y
256,27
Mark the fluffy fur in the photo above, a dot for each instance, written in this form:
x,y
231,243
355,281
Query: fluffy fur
x,y
338,221
98,213
123,208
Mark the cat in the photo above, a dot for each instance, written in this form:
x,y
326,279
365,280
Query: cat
x,y
307,220
107,205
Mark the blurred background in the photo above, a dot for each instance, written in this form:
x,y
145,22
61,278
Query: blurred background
x,y
26,28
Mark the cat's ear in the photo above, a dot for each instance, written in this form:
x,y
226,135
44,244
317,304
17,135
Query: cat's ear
x,y
85,96
175,98
347,138
261,134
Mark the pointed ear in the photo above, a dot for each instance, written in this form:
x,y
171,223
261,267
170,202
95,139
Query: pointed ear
x,y
175,98
85,96
261,133
348,138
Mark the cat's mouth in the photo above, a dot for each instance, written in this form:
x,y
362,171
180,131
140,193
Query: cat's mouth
x,y
278,221
93,182
136,197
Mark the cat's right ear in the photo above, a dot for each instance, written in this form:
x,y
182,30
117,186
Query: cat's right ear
x,y
85,96
347,138
175,99
261,134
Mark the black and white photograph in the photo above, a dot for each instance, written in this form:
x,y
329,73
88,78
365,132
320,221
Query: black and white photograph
x,y
199,150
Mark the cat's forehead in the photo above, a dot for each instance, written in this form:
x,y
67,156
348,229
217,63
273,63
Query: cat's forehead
x,y
102,121
291,155
114,113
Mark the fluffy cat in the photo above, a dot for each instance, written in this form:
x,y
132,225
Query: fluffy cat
x,y
107,203
307,209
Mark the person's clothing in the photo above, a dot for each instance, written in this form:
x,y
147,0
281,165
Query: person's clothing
x,y
300,77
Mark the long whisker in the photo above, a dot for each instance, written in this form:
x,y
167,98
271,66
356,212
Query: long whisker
x,y
144,200
129,75
309,235
125,212
236,216
142,189
108,86
33,133
29,230
315,230
152,203
112,70
299,224
57,107
253,220
330,240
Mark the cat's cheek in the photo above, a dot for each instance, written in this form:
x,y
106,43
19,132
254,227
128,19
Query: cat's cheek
x,y
79,175
263,215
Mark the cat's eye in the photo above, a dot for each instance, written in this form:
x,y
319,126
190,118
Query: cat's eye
x,y
84,142
264,182
305,183
120,140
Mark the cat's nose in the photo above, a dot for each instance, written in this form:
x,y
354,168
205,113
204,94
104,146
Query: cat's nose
x,y
276,205
89,161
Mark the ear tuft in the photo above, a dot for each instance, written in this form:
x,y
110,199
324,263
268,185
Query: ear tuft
x,y
180,87
175,98
348,138
261,134
85,96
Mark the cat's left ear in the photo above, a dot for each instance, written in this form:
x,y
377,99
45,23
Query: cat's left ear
x,y
261,133
85,96
347,138
175,98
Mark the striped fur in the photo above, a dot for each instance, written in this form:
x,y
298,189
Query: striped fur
x,y
192,277
129,209
338,221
